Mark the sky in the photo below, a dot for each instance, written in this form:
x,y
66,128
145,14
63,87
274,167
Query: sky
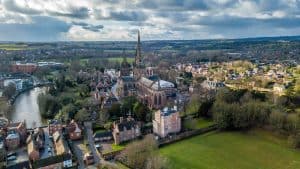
x,y
102,20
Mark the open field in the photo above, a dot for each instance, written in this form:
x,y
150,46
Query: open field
x,y
13,47
120,59
232,150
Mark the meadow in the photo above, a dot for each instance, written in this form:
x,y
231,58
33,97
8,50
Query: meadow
x,y
255,149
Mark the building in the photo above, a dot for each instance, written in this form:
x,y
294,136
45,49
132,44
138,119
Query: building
x,y
125,67
212,85
103,136
148,88
88,158
62,148
54,125
23,67
12,140
32,149
279,89
166,121
151,93
126,86
74,131
125,130
20,129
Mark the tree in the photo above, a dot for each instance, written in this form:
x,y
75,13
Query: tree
x,y
143,154
128,104
141,112
48,105
69,110
82,115
115,111
9,90
277,119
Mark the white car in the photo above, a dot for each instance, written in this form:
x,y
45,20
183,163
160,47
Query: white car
x,y
11,158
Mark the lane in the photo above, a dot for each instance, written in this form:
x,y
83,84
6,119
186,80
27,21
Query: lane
x,y
90,139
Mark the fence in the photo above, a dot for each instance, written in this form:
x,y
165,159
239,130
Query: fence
x,y
185,135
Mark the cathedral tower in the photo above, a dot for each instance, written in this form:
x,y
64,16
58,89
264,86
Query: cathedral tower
x,y
138,64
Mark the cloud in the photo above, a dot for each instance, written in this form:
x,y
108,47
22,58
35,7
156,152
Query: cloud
x,y
158,19
41,29
73,12
13,6
90,27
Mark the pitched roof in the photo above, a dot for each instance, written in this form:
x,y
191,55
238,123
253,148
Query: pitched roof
x,y
103,134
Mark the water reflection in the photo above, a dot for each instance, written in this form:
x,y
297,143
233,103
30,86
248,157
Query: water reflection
x,y
26,108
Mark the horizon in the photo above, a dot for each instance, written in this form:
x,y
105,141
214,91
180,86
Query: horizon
x,y
151,40
119,20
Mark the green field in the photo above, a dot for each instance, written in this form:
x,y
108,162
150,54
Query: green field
x,y
13,47
232,150
120,59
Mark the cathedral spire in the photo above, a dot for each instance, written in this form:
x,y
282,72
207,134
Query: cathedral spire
x,y
138,57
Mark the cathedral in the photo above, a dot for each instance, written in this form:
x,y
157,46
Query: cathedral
x,y
147,87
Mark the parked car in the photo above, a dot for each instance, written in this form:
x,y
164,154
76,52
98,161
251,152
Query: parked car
x,y
11,158
12,154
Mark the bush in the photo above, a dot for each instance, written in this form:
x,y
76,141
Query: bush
x,y
277,119
292,122
294,140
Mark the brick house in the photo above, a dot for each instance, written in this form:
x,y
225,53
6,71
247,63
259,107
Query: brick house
x,y
74,131
54,125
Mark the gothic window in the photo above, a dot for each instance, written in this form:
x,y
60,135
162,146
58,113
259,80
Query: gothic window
x,y
155,100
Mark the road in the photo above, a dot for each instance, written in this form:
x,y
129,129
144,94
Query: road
x,y
78,154
90,139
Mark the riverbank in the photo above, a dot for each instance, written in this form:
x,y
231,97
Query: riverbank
x,y
14,97
25,108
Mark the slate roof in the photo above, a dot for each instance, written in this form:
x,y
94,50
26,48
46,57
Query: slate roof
x,y
126,124
103,134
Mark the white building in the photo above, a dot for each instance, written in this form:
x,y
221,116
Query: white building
x,y
166,121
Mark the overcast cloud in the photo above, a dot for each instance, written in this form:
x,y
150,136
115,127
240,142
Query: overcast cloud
x,y
56,20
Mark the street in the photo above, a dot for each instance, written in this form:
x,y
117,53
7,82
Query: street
x,y
90,139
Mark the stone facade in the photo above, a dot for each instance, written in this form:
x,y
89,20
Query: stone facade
x,y
166,121
125,130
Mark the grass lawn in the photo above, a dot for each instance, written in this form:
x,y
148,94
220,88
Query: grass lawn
x,y
198,123
117,147
256,149
202,123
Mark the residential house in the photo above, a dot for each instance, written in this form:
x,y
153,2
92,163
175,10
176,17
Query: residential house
x,y
103,136
74,131
54,125
20,128
125,130
62,148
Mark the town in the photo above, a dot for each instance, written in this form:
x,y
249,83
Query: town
x,y
92,116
